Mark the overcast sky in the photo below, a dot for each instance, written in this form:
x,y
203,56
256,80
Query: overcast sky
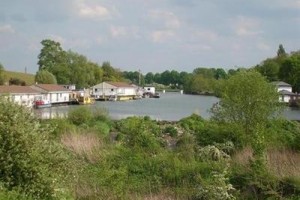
x,y
150,35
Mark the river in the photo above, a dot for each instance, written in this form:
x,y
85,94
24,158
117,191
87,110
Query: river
x,y
170,106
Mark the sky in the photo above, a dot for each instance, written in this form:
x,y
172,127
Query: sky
x,y
150,35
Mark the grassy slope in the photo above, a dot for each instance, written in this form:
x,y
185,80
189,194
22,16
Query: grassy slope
x,y
28,78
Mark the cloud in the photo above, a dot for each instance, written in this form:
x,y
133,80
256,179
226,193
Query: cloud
x,y
7,29
247,26
162,35
206,35
118,31
169,19
97,12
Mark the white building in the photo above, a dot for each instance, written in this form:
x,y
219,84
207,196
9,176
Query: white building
x,y
123,91
22,95
53,93
285,91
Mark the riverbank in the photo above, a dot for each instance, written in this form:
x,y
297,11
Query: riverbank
x,y
138,158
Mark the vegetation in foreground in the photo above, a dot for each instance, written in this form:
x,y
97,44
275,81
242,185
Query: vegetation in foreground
x,y
243,152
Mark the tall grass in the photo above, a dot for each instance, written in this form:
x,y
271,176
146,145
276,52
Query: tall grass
x,y
282,163
83,145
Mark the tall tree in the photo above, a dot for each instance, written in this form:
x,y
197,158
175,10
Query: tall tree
x,y
51,55
281,51
248,102
110,73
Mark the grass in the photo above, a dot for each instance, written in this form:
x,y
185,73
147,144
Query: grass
x,y
282,163
83,145
28,78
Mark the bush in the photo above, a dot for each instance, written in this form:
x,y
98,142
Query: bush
x,y
284,133
29,162
171,130
80,115
140,133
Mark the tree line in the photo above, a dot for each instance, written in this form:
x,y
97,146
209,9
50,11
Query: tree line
x,y
57,65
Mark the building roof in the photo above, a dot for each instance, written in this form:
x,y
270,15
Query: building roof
x,y
281,83
51,87
120,84
286,92
16,89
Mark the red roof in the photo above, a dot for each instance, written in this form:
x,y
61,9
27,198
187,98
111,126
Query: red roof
x,y
51,87
16,89
120,84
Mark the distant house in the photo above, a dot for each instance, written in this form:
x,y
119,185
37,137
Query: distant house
x,y
149,89
22,95
123,91
285,91
54,93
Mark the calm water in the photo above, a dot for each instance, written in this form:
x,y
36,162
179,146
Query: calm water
x,y
170,106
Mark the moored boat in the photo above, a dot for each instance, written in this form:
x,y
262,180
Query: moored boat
x,y
42,104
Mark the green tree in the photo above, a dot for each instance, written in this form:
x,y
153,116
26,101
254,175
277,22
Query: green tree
x,y
290,71
2,75
269,69
43,76
220,74
281,51
110,73
51,55
205,72
149,78
248,102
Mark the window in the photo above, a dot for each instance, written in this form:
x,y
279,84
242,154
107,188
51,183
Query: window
x,y
96,90
112,90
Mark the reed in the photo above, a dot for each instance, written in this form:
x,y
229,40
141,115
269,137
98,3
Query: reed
x,y
83,145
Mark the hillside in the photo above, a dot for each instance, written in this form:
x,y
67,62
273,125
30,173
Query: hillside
x,y
28,78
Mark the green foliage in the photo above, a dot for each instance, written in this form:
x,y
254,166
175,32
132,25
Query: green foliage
x,y
256,182
171,130
51,56
216,188
29,162
192,123
16,81
281,51
140,133
248,101
284,134
2,75
80,115
45,77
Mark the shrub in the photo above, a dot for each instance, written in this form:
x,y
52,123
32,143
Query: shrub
x,y
171,130
80,115
29,162
140,133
